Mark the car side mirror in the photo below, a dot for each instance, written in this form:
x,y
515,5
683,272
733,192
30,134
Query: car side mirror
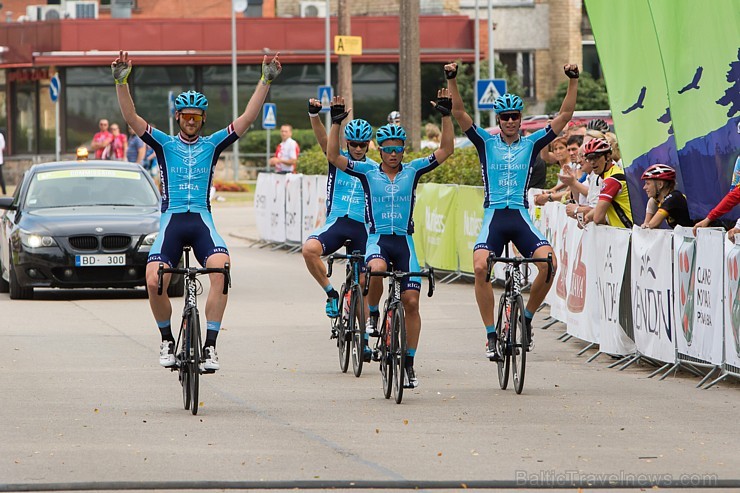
x,y
6,203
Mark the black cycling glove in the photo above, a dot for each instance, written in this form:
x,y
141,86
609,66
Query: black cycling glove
x,y
313,109
572,74
444,106
337,113
451,74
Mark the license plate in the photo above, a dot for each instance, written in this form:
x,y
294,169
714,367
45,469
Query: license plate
x,y
100,260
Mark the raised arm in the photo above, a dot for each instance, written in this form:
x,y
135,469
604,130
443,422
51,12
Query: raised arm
x,y
569,102
121,68
319,131
338,114
458,109
447,142
269,72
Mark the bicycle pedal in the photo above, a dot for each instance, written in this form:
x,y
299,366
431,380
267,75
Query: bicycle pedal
x,y
376,355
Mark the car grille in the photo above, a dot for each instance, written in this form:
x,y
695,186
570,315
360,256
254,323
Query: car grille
x,y
116,242
84,242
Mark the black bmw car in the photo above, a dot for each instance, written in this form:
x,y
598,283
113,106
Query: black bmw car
x,y
79,225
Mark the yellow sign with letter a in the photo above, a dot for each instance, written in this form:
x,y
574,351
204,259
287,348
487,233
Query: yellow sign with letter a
x,y
348,45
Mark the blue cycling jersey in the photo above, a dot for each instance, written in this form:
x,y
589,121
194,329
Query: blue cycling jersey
x,y
506,168
391,202
186,168
344,194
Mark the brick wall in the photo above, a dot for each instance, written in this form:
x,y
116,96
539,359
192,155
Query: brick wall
x,y
565,46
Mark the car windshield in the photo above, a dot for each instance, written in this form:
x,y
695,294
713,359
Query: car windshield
x,y
90,187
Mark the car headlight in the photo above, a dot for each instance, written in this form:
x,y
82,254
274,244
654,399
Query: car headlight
x,y
150,239
36,241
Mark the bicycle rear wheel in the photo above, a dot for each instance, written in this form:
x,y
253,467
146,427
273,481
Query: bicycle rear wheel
x,y
195,343
399,352
386,357
502,325
343,335
518,338
357,330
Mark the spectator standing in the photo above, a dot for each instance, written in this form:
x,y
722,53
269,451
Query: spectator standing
x,y
2,161
664,201
136,149
102,139
432,135
286,153
117,148
613,206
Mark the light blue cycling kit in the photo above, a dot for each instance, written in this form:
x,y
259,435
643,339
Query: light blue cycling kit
x,y
506,171
186,171
345,212
390,212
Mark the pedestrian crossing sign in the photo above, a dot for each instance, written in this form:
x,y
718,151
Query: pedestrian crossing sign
x,y
325,94
269,116
488,91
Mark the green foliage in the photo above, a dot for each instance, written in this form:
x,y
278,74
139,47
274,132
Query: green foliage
x,y
592,95
254,140
462,168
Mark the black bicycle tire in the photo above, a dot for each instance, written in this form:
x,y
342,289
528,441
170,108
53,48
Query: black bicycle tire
x,y
386,364
504,364
357,330
181,353
399,353
195,360
518,344
343,342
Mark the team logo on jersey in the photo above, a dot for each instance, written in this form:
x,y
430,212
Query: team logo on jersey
x,y
391,188
189,161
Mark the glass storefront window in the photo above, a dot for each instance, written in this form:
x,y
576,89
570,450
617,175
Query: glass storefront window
x,y
86,105
24,137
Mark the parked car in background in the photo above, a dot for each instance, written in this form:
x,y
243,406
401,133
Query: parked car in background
x,y
79,225
535,122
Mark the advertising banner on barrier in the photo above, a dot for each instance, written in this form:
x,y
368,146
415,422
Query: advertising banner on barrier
x,y
652,290
276,206
612,245
559,290
434,223
706,340
309,205
261,211
468,223
684,260
732,303
582,302
293,208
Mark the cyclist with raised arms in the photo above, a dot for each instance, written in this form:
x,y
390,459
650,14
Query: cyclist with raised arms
x,y
506,161
390,190
186,164
345,205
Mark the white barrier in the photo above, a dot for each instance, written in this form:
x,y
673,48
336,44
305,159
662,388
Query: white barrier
x,y
293,216
732,305
652,310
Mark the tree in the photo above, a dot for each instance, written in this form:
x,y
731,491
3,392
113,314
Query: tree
x,y
592,95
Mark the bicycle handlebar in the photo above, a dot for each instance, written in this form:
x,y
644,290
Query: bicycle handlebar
x,y
518,261
357,257
188,271
398,275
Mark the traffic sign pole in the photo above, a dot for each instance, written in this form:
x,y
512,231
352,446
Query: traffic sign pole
x,y
58,139
269,121
55,89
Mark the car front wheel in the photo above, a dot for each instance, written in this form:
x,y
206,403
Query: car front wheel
x,y
18,292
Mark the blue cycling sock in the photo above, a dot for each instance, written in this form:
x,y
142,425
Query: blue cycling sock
x,y
410,352
490,329
409,361
373,309
165,329
212,329
528,314
328,288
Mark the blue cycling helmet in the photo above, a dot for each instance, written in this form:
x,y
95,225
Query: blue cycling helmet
x,y
358,130
508,102
191,99
388,132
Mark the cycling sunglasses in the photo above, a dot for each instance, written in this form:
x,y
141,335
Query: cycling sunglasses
x,y
392,149
187,116
357,144
505,117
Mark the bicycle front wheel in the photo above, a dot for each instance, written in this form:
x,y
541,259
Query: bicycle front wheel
x,y
519,342
194,338
398,343
386,357
502,325
343,334
182,360
356,329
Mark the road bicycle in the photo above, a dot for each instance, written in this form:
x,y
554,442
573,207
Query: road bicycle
x,y
513,340
349,327
390,348
188,356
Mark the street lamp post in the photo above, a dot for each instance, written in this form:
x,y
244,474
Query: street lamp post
x,y
240,6
327,56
